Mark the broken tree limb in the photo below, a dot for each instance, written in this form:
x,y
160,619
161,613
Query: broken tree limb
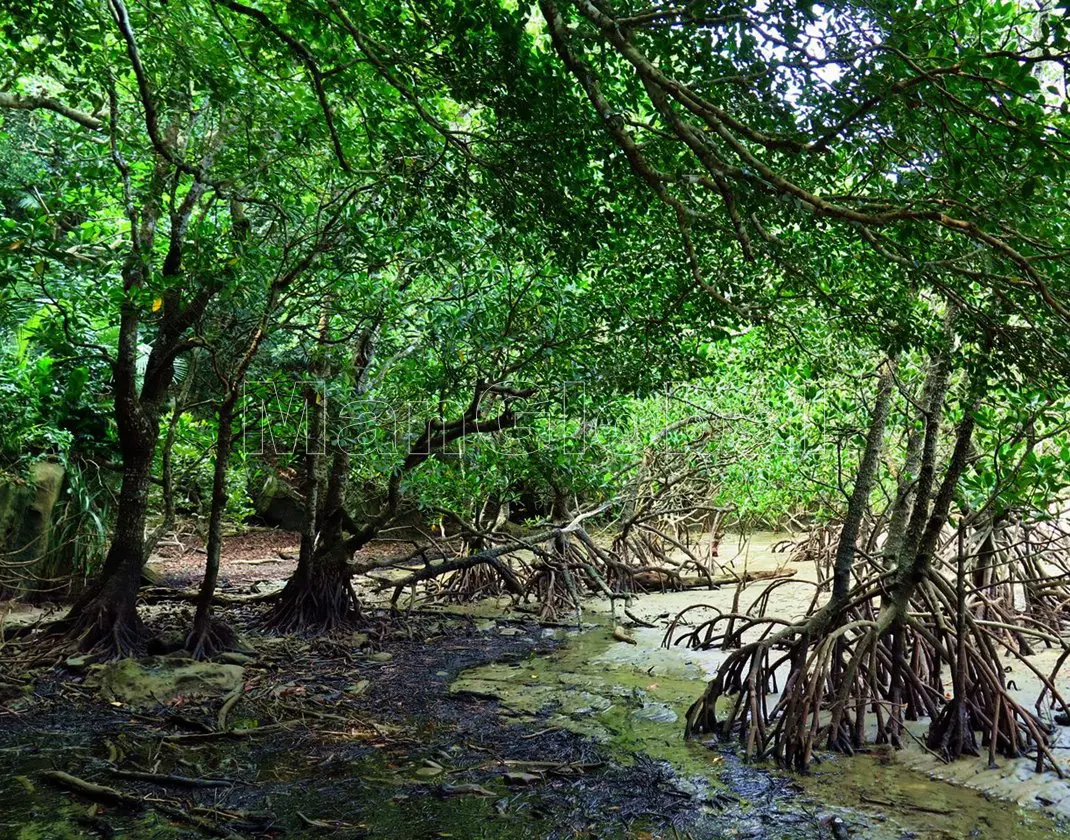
x,y
433,570
170,780
228,703
657,577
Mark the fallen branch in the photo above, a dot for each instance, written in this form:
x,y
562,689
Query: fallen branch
x,y
112,796
158,594
167,779
660,578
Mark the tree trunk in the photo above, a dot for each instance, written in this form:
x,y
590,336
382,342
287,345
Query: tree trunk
x,y
911,505
209,637
318,597
904,495
914,567
167,478
105,617
867,472
915,558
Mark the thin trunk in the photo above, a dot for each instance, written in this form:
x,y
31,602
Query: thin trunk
x,y
919,514
904,495
319,595
907,536
207,638
906,487
867,473
313,443
167,477
912,570
310,525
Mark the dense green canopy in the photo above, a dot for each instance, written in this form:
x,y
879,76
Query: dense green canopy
x,y
476,245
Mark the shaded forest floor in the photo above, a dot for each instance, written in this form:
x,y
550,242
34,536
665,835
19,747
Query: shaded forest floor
x,y
467,723
350,736
248,557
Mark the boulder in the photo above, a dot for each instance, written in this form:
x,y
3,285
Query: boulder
x,y
278,505
27,513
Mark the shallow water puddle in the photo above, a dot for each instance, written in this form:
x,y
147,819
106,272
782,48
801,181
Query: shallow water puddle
x,y
633,699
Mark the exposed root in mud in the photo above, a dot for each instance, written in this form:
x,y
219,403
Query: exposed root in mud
x,y
569,564
818,546
650,540
473,583
110,796
570,567
1020,567
105,626
554,585
206,642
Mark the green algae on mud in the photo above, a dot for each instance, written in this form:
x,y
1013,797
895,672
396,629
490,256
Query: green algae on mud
x,y
400,806
41,813
356,765
629,711
909,799
633,701
327,759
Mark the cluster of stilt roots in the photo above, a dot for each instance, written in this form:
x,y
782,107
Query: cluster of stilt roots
x,y
318,598
858,672
473,583
645,556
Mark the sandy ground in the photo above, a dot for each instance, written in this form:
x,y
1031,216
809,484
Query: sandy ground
x,y
248,557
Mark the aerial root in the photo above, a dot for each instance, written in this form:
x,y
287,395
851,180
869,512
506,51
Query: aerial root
x,y
473,583
854,675
102,626
316,602
555,589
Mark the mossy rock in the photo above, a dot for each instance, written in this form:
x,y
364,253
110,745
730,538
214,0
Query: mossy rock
x,y
159,680
28,509
278,505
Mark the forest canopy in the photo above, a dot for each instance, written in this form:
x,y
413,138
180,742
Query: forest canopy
x,y
553,295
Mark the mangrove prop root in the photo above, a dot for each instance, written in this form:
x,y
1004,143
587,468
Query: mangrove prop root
x,y
853,672
474,582
104,627
315,602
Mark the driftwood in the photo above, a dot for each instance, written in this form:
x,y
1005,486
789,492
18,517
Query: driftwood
x,y
158,594
660,578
